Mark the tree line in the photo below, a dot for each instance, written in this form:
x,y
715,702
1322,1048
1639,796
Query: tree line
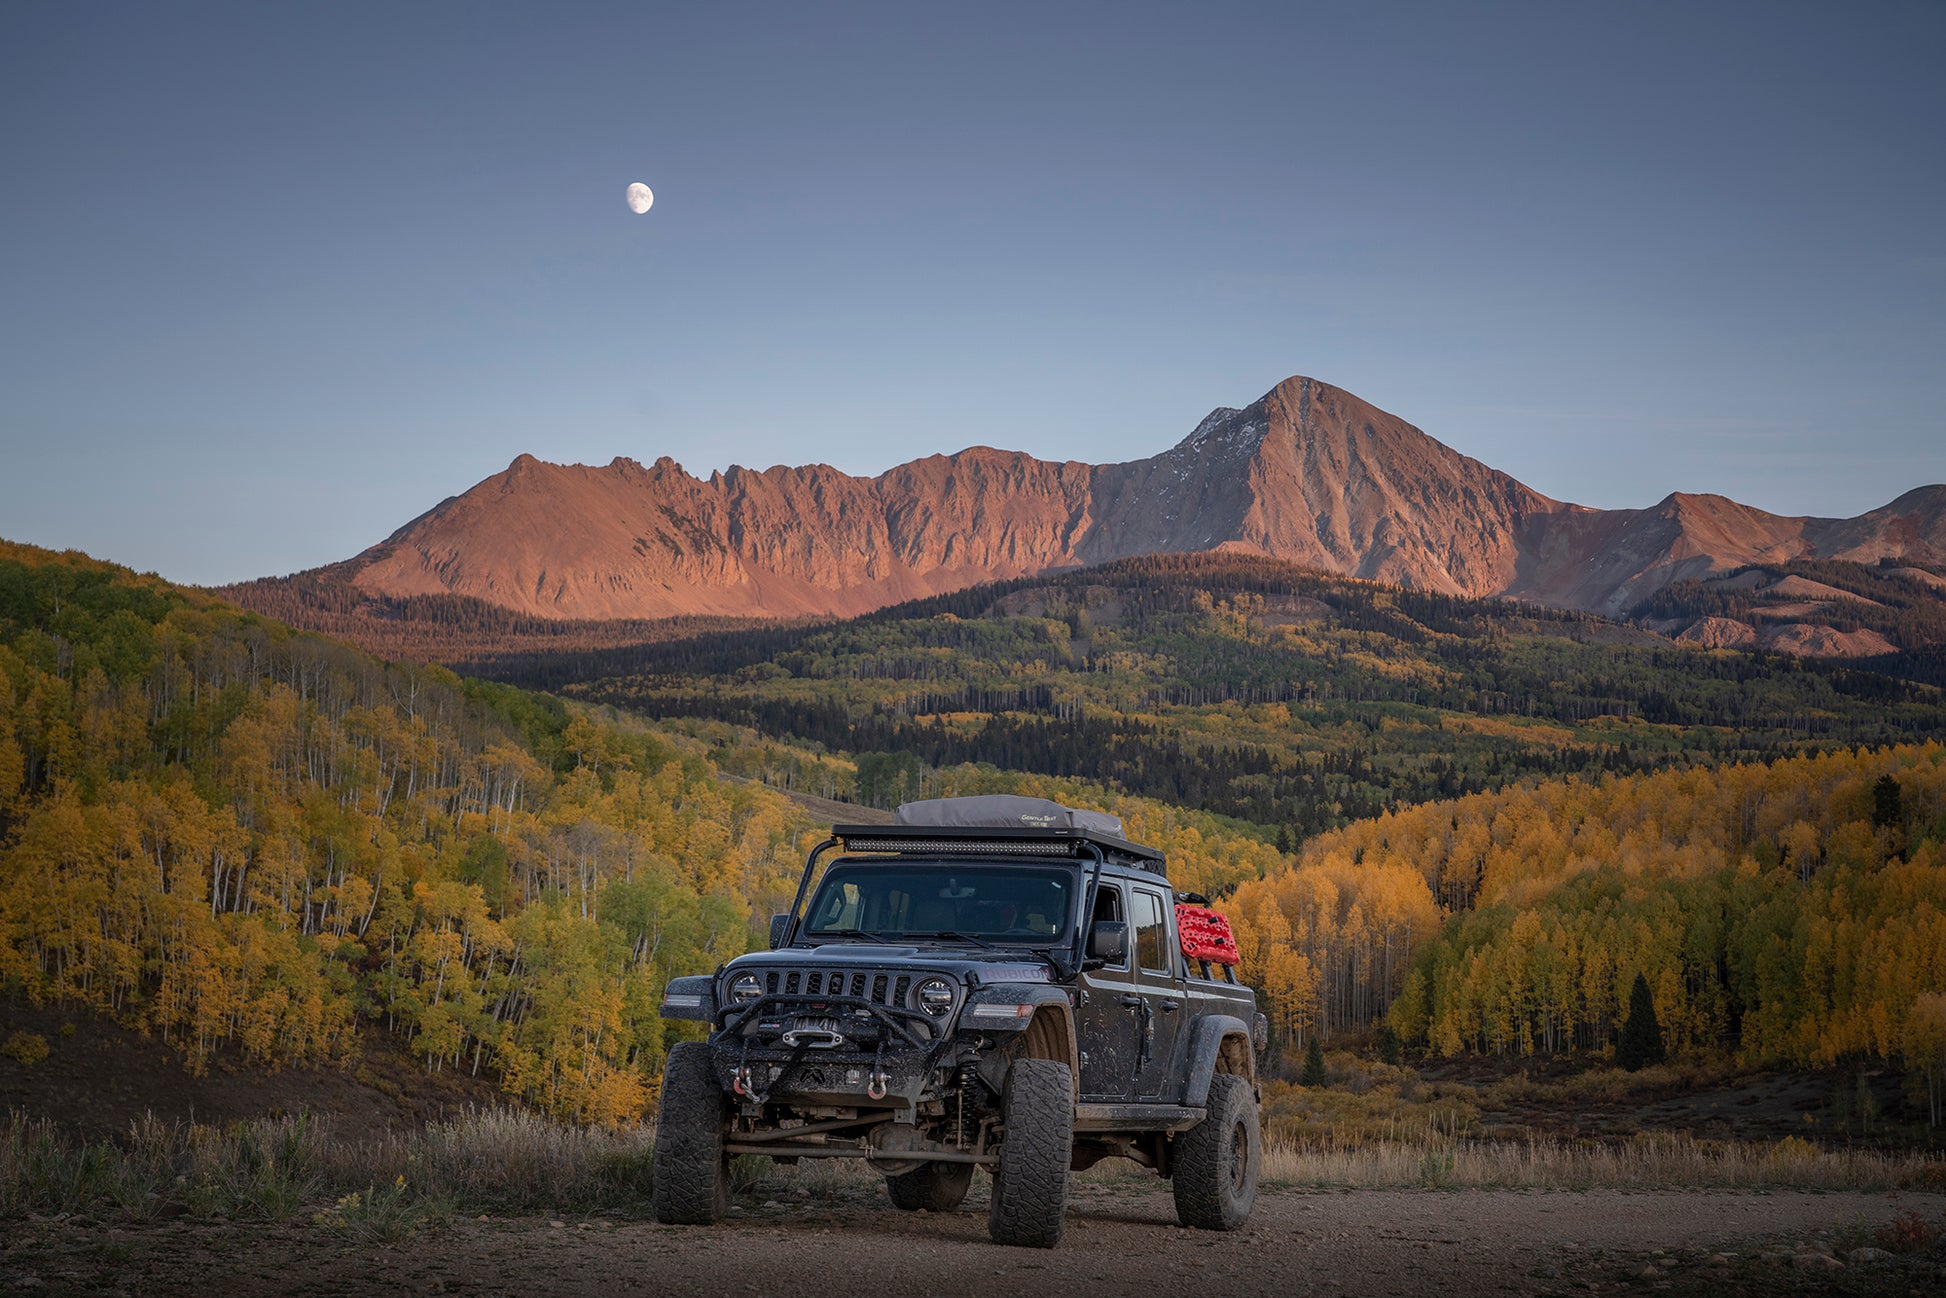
x,y
1794,911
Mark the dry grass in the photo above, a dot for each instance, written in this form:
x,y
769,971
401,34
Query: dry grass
x,y
503,1161
488,1161
1375,1106
1646,1162
1611,1085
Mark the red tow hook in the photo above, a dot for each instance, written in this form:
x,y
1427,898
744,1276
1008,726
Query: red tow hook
x,y
740,1080
880,1082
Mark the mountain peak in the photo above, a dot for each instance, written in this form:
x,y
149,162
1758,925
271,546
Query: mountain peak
x,y
1308,473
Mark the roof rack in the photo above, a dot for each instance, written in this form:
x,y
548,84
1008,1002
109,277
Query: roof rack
x,y
984,840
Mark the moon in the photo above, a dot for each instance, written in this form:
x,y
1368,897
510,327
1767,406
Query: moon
x,y
640,198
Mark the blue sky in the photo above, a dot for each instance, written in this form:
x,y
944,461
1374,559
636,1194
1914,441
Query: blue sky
x,y
274,279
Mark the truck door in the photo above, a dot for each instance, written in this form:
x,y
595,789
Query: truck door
x,y
1110,1024
1159,976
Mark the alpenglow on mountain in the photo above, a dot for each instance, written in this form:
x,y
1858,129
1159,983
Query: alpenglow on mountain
x,y
1309,474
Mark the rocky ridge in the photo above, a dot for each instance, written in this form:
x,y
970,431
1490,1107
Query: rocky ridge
x,y
1308,474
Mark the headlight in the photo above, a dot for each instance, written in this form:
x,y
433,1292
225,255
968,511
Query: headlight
x,y
935,997
745,988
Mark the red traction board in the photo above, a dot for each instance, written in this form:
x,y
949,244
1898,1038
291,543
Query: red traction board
x,y
1206,935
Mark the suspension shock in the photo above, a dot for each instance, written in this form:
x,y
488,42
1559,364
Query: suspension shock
x,y
966,1110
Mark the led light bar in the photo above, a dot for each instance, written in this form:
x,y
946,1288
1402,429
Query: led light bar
x,y
962,846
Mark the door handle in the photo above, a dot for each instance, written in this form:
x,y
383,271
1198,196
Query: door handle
x,y
1141,1004
1170,1007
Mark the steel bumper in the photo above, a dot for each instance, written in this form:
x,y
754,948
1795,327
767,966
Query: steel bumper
x,y
877,1058
888,1079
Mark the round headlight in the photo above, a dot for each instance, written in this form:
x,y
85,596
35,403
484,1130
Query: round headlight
x,y
935,996
745,988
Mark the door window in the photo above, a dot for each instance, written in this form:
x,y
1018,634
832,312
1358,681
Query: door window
x,y
1151,934
1108,907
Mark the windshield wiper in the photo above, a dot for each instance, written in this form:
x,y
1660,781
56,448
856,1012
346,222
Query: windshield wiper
x,y
951,935
850,932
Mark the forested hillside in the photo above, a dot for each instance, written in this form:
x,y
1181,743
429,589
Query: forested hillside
x,y
1245,687
1796,909
442,628
1889,617
1899,600
252,840
244,838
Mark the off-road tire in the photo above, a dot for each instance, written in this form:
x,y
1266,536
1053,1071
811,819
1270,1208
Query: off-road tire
x,y
936,1187
692,1174
1030,1183
1216,1161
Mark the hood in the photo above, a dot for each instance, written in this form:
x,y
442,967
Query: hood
x,y
974,966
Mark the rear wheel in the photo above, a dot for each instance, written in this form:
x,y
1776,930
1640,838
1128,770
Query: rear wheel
x,y
936,1187
1215,1173
1030,1185
692,1173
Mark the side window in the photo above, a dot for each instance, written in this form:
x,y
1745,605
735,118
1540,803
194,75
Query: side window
x,y
1151,934
1108,906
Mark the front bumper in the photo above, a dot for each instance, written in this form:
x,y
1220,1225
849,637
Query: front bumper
x,y
827,1051
834,1078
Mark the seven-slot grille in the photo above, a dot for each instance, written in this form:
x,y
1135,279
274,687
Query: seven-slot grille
x,y
879,988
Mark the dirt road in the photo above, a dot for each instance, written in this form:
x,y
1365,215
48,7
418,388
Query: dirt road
x,y
1120,1240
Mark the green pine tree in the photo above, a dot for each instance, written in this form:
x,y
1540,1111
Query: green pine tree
x,y
1887,803
1641,1043
1388,1047
1314,1064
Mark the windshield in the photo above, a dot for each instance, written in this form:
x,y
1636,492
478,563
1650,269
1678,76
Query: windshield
x,y
1019,905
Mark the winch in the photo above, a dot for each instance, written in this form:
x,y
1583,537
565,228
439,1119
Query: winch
x,y
815,1034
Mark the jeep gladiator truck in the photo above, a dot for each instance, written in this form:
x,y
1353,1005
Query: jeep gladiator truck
x,y
992,982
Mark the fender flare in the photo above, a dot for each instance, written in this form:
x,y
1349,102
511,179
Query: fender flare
x,y
1206,1051
1035,994
693,998
1047,1033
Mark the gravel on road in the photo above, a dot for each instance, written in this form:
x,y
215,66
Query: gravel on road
x,y
1120,1240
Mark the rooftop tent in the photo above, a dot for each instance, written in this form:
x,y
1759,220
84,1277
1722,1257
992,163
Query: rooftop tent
x,y
1004,811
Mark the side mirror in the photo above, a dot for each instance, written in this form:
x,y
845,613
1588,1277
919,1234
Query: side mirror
x,y
1108,941
780,927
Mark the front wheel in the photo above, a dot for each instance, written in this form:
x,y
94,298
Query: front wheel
x,y
692,1173
936,1187
1030,1185
1215,1174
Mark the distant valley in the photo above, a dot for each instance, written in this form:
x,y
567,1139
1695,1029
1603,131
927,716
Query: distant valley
x,y
1233,684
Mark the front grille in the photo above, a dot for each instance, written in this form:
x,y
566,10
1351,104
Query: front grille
x,y
887,989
